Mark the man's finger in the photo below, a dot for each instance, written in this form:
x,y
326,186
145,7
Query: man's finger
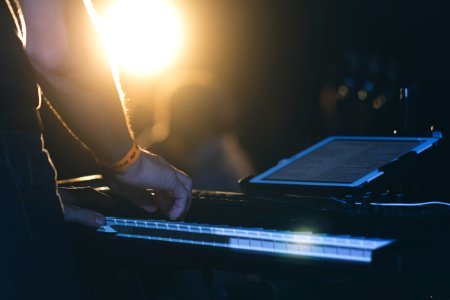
x,y
181,202
165,201
184,179
83,216
187,182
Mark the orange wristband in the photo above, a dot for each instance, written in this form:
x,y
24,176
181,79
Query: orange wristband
x,y
129,158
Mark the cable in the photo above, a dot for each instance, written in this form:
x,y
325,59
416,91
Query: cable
x,y
397,204
390,204
411,204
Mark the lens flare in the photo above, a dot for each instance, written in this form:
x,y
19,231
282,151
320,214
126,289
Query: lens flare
x,y
142,36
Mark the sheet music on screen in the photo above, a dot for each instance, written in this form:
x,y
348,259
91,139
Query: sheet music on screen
x,y
343,161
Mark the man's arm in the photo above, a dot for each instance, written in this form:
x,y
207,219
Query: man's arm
x,y
63,48
73,71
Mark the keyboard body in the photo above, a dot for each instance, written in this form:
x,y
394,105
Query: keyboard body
x,y
264,233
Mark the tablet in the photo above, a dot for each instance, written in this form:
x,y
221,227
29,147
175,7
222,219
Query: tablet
x,y
342,162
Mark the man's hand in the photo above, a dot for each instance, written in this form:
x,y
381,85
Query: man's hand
x,y
171,186
73,198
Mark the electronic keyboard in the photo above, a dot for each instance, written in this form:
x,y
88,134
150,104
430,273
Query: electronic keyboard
x,y
256,241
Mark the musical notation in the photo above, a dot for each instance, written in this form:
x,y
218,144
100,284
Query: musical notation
x,y
264,241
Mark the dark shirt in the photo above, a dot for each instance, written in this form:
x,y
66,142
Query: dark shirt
x,y
18,88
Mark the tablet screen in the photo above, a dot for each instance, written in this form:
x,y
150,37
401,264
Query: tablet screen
x,y
342,161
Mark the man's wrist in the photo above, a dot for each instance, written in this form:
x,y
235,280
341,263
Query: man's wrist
x,y
126,161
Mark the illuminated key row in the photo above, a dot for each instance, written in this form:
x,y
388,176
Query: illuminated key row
x,y
343,248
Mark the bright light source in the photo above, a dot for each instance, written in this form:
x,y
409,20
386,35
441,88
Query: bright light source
x,y
142,36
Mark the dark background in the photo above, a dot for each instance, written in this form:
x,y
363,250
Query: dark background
x,y
278,58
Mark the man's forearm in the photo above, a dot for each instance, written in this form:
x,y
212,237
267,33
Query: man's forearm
x,y
75,75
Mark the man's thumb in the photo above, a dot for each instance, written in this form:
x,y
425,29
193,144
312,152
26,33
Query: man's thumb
x,y
83,216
